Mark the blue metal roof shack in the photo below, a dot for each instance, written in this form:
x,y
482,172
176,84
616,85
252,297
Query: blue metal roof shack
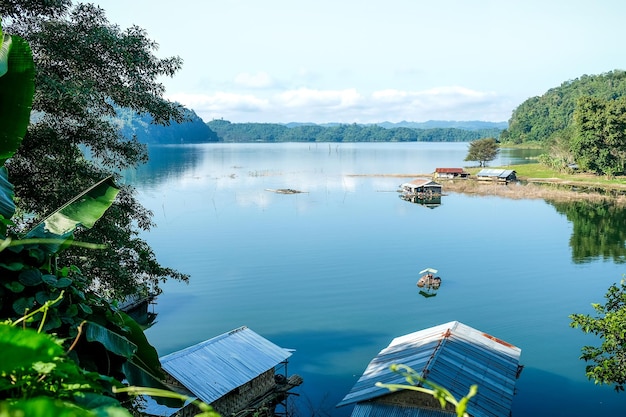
x,y
452,355
213,368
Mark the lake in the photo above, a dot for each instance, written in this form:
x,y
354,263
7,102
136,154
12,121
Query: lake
x,y
331,272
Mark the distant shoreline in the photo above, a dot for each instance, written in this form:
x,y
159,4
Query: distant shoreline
x,y
553,189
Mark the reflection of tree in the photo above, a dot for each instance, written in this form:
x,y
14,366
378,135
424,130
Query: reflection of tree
x,y
165,162
599,230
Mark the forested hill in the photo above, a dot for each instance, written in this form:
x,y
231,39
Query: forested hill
x,y
193,131
550,116
294,132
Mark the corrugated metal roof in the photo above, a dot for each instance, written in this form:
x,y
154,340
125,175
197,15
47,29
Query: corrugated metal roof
x,y
216,366
493,172
421,182
454,356
450,170
388,410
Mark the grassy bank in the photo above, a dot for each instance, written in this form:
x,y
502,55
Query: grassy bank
x,y
538,181
538,173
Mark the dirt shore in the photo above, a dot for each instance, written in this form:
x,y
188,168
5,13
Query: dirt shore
x,y
552,189
546,190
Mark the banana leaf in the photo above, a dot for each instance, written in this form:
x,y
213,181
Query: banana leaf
x,y
17,72
112,341
142,367
84,210
21,348
7,205
146,355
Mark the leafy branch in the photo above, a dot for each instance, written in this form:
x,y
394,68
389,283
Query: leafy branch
x,y
438,392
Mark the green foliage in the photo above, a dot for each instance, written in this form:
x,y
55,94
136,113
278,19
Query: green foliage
x,y
559,156
483,151
74,371
42,380
16,83
551,116
607,363
272,132
87,68
416,383
599,144
38,377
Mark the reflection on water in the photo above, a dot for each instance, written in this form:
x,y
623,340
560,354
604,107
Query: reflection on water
x,y
432,202
317,160
332,272
598,232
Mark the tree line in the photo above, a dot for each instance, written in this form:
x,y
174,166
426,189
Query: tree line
x,y
274,132
581,123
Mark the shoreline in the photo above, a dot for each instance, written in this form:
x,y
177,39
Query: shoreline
x,y
553,189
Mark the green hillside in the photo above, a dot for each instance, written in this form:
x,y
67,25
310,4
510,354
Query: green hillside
x,y
194,130
550,117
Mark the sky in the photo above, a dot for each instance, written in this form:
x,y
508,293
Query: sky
x,y
371,61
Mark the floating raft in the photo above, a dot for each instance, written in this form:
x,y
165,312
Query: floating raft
x,y
285,191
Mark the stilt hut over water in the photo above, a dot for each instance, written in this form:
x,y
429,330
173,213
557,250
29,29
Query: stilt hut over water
x,y
236,373
451,355
421,187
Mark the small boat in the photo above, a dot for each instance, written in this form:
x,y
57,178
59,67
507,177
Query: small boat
x,y
428,279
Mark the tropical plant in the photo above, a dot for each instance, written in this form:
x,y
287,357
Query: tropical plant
x,y
65,350
607,363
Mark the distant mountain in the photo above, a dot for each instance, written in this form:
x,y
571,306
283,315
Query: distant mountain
x,y
431,124
141,126
447,124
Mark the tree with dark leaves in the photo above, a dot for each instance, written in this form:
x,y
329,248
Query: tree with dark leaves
x,y
606,363
85,66
483,151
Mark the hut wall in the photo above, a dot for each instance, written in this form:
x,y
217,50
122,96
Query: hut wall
x,y
189,410
410,398
240,398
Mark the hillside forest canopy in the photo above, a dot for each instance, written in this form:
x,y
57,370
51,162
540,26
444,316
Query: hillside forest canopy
x,y
581,123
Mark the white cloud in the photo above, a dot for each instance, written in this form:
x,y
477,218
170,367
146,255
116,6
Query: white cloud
x,y
350,106
305,97
221,103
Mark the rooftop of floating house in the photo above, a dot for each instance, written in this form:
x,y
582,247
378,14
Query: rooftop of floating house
x,y
452,355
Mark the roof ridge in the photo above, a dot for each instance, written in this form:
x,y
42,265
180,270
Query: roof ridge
x,y
442,341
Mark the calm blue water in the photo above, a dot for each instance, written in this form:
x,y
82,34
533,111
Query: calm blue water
x,y
331,272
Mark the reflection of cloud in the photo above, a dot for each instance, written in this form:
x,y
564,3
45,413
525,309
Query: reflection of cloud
x,y
347,105
260,199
